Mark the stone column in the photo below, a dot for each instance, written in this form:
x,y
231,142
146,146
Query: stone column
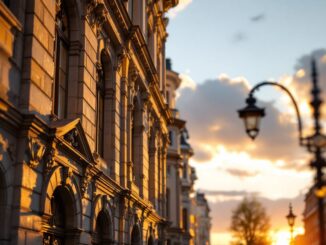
x,y
123,132
164,156
129,122
143,132
153,164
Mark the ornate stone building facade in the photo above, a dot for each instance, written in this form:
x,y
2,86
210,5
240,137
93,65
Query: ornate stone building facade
x,y
83,121
184,209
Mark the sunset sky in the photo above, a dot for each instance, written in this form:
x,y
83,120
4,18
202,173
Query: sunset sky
x,y
221,48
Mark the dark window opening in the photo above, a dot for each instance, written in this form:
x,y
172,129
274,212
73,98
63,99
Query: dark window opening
x,y
185,218
6,2
135,236
58,220
61,61
171,137
100,112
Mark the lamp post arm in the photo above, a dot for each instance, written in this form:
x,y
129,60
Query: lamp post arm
x,y
256,87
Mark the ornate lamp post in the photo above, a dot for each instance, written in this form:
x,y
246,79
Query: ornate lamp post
x,y
315,144
291,220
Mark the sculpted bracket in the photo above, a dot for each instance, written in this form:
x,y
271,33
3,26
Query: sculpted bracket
x,y
35,151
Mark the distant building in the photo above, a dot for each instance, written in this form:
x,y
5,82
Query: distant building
x,y
201,212
310,218
184,209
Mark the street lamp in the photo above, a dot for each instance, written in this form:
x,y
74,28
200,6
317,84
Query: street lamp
x,y
316,143
291,220
251,116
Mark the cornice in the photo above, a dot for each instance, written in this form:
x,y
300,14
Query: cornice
x,y
121,15
142,52
179,123
9,17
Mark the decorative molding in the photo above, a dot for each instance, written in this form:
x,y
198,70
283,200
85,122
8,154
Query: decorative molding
x,y
120,15
35,151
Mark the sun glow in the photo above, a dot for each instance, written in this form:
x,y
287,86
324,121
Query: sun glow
x,y
282,237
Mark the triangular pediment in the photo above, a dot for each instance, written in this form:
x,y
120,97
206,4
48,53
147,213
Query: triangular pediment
x,y
72,133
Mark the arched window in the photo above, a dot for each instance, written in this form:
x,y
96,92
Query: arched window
x,y
58,221
59,225
100,90
61,61
102,234
135,236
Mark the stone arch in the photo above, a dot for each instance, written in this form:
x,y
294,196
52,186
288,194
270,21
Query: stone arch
x,y
135,238
102,212
59,178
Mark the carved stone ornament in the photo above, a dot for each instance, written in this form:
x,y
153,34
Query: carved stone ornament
x,y
85,181
133,75
47,240
67,173
35,152
99,69
3,146
49,160
96,13
72,138
90,5
120,57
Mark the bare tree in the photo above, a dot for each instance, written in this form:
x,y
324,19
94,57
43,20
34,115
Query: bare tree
x,y
250,223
